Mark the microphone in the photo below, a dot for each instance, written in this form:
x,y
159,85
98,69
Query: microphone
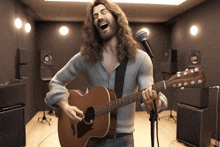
x,y
142,37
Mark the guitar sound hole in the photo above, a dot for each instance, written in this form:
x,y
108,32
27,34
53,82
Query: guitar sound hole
x,y
90,114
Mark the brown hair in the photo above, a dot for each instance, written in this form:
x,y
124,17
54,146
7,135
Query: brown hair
x,y
91,48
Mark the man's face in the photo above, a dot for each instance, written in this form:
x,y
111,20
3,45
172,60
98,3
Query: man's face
x,y
104,22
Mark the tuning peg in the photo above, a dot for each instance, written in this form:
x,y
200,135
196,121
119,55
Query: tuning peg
x,y
185,84
186,69
185,73
200,81
178,75
182,88
193,82
192,71
179,85
196,69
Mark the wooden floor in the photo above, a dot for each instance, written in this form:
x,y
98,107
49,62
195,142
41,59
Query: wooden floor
x,y
42,135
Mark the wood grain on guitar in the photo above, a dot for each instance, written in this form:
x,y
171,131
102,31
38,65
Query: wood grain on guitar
x,y
100,103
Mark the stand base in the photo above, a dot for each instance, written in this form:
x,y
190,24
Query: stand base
x,y
169,117
44,118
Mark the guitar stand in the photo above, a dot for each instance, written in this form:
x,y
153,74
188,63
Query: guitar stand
x,y
44,117
169,116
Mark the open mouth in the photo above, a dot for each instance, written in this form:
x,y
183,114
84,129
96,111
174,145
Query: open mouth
x,y
103,26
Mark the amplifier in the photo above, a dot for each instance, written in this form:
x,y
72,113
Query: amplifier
x,y
194,125
197,97
12,128
12,94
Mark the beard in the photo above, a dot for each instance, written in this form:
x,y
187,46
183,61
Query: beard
x,y
106,36
108,32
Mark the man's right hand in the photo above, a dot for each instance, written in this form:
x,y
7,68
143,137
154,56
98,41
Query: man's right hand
x,y
72,112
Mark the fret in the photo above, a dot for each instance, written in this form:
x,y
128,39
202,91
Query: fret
x,y
174,81
124,101
118,103
157,87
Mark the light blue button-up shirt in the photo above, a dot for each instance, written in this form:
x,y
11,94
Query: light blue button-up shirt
x,y
138,75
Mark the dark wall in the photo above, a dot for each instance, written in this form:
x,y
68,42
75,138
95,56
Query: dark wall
x,y
11,39
207,17
45,36
62,49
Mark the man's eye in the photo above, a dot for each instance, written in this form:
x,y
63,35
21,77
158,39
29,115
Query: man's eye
x,y
104,11
95,16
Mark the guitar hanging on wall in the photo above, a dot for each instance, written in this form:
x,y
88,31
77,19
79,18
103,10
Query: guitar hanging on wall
x,y
98,105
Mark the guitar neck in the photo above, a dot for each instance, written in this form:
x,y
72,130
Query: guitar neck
x,y
125,100
181,79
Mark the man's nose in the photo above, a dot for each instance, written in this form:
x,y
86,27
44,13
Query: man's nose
x,y
100,16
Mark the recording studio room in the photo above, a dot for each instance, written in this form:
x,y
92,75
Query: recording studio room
x,y
181,37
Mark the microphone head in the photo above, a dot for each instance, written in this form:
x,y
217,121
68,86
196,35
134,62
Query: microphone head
x,y
141,35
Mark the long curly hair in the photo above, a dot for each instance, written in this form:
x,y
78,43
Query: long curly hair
x,y
91,48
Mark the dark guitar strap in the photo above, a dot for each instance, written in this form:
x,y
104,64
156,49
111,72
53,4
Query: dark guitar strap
x,y
119,77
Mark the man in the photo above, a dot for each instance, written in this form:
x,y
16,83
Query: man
x,y
106,41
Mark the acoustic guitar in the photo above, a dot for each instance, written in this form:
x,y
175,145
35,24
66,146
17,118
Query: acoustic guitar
x,y
99,104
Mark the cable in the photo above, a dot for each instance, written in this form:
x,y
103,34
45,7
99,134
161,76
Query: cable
x,y
172,142
46,138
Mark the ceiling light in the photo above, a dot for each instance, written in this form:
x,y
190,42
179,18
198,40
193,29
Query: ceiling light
x,y
163,2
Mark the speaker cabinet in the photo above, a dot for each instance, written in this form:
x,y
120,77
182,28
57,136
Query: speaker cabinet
x,y
46,73
194,58
12,94
12,128
21,67
168,67
193,125
170,56
197,97
47,68
46,58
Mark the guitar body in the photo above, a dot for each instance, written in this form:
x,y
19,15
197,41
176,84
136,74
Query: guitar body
x,y
78,134
100,104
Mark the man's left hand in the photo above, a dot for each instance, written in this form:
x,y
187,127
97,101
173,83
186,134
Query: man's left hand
x,y
149,95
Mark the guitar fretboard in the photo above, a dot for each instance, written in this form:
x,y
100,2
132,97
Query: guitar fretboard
x,y
108,107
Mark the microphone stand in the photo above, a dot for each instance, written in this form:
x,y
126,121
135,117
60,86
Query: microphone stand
x,y
153,118
153,113
141,35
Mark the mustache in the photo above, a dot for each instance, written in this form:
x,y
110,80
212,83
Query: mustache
x,y
103,20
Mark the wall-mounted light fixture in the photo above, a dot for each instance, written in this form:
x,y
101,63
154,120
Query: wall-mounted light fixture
x,y
64,30
194,30
27,27
18,23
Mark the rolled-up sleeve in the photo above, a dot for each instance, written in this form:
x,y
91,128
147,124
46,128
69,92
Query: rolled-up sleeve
x,y
57,85
145,79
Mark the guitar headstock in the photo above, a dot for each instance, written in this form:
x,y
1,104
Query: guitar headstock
x,y
187,78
